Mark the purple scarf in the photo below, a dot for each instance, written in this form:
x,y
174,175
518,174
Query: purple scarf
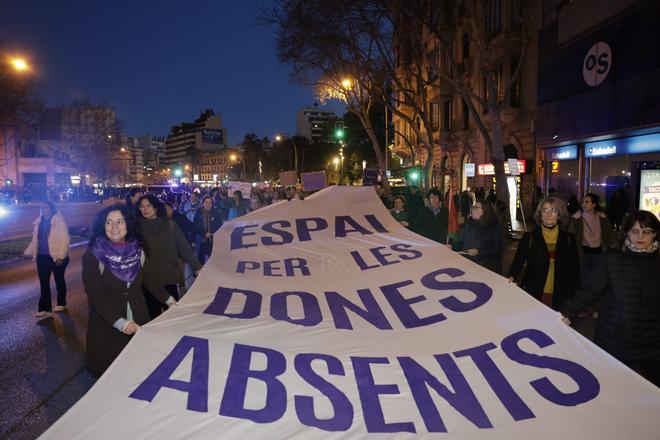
x,y
122,260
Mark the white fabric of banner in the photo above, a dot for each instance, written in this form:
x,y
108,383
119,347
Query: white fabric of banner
x,y
324,318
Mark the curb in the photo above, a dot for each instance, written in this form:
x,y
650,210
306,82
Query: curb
x,y
10,261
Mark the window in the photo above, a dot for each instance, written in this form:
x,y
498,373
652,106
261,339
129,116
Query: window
x,y
466,45
434,64
466,116
434,115
516,15
493,17
515,87
447,113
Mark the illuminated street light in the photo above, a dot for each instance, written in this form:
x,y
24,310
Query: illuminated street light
x,y
280,138
19,64
233,157
346,83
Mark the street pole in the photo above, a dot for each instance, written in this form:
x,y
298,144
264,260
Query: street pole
x,y
295,159
243,163
387,132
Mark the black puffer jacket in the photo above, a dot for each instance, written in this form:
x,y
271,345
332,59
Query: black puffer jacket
x,y
629,321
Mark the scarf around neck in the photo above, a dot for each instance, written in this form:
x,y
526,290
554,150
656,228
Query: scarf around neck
x,y
653,247
122,260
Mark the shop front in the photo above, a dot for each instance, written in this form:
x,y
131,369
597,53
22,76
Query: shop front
x,y
562,170
514,182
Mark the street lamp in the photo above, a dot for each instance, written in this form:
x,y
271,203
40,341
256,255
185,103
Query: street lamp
x,y
19,64
280,138
234,158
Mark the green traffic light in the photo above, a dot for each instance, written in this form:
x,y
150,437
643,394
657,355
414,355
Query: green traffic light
x,y
339,133
414,175
178,172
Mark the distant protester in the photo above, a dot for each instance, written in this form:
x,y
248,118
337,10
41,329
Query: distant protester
x,y
481,238
166,247
112,272
49,247
433,220
399,212
207,221
237,206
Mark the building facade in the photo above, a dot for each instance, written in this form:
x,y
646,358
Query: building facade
x,y
461,156
153,148
213,167
311,122
598,95
189,139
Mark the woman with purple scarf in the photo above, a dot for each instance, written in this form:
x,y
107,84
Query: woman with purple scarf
x,y
113,280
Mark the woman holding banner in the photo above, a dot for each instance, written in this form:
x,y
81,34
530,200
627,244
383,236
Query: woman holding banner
x,y
628,281
550,253
433,220
112,271
481,240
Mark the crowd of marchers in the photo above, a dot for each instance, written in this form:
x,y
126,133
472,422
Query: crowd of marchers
x,y
142,254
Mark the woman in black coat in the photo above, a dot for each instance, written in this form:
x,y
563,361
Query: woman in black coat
x,y
112,271
481,239
207,221
552,274
628,280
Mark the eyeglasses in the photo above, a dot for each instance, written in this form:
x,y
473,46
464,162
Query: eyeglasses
x,y
477,207
549,211
644,232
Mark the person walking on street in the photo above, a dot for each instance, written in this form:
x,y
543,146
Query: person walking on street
x,y
165,246
433,220
594,236
414,202
481,239
552,273
49,247
112,272
627,279
207,221
191,206
237,206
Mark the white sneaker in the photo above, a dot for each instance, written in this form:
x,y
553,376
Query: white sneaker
x,y
59,308
43,314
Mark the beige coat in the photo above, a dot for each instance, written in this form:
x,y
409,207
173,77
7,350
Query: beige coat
x,y
58,238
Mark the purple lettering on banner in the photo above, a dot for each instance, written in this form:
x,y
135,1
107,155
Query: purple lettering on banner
x,y
499,384
482,292
401,306
373,221
233,397
378,253
237,237
462,399
310,306
304,229
223,295
291,264
341,221
588,386
363,265
270,266
406,249
242,266
197,388
343,410
372,312
369,392
286,237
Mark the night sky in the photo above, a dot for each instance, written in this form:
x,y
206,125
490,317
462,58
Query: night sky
x,y
158,63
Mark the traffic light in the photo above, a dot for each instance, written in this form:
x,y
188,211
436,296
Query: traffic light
x,y
339,129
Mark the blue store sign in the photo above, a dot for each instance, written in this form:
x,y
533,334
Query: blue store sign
x,y
567,152
649,143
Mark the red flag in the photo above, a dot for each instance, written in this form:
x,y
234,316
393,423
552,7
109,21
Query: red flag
x,y
452,226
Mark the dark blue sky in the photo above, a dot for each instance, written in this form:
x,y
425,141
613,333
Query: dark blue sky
x,y
158,63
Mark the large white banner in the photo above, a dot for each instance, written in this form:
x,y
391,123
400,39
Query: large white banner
x,y
324,318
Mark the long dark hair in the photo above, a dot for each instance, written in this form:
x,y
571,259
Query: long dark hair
x,y
489,215
646,219
155,202
98,226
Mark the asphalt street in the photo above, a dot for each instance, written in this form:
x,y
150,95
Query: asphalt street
x,y
42,372
17,220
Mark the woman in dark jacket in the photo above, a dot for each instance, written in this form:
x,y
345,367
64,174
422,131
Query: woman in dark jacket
x,y
207,221
433,220
112,271
165,246
481,240
628,281
552,273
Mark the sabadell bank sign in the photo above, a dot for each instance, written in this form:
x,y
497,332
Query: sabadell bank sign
x,y
597,64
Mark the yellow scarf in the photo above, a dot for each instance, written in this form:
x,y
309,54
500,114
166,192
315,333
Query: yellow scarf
x,y
550,236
